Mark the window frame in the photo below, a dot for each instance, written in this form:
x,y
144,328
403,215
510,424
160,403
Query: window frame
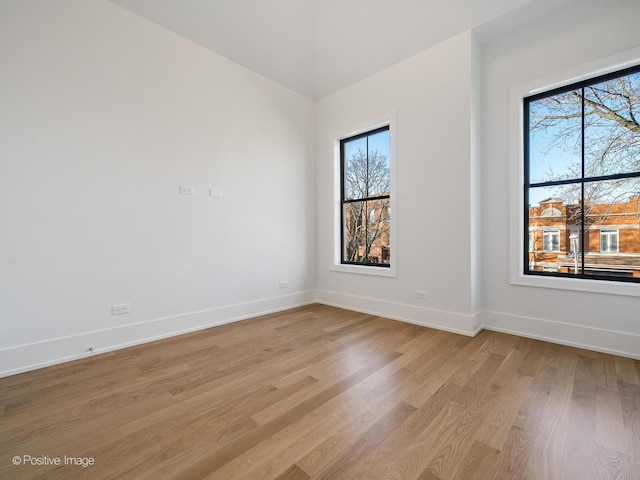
x,y
336,265
581,180
517,211
556,233
610,232
344,201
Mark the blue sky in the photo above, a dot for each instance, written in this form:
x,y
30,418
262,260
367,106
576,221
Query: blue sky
x,y
379,141
555,153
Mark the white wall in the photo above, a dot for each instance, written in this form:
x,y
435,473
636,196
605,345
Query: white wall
x,y
436,198
560,42
103,115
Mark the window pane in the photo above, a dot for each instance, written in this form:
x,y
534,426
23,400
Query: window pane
x,y
611,201
613,210
355,168
366,166
545,242
366,230
612,135
554,229
551,241
554,207
609,241
553,201
555,137
379,173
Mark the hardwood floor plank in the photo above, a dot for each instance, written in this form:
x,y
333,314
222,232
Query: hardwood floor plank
x,y
293,473
442,369
360,452
627,371
630,401
475,386
532,430
328,430
425,339
472,363
428,475
478,463
276,453
331,435
580,447
610,431
456,442
323,445
400,457
332,369
547,457
532,359
606,375
612,464
217,459
496,430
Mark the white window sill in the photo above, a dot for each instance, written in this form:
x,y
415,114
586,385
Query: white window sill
x,y
364,270
579,285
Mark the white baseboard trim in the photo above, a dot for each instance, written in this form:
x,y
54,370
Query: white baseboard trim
x,y
36,355
468,325
32,356
570,334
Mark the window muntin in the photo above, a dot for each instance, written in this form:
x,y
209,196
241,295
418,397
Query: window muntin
x,y
365,187
582,176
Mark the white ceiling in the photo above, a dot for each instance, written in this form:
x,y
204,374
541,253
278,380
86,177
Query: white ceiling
x,y
317,47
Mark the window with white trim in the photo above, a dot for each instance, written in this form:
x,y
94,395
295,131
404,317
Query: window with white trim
x,y
365,198
582,176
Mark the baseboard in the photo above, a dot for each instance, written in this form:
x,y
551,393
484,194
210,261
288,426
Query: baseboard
x,y
570,334
427,317
31,356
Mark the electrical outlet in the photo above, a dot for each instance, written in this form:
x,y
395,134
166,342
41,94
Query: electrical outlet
x,y
421,294
184,190
215,192
284,284
120,309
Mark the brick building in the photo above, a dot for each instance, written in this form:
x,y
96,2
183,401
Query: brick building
x,y
611,238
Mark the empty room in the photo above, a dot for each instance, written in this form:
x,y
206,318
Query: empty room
x,y
304,239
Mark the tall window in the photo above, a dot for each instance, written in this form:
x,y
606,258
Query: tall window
x,y
365,184
582,178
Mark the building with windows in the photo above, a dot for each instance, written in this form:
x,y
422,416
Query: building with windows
x,y
609,244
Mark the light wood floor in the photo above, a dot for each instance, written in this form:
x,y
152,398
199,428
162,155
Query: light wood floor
x,y
323,393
